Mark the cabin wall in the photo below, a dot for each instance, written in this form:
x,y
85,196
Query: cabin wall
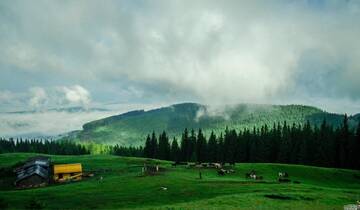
x,y
31,181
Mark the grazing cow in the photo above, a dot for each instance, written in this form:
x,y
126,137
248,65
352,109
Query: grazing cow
x,y
218,165
252,175
204,165
283,174
191,165
221,172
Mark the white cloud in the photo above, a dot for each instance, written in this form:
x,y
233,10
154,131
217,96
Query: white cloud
x,y
50,123
42,98
38,97
6,96
77,95
45,123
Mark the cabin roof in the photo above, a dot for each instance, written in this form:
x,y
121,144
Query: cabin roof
x,y
33,170
39,160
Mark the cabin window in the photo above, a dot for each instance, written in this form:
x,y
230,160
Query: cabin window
x,y
60,176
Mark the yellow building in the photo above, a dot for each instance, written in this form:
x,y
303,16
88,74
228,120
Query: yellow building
x,y
67,172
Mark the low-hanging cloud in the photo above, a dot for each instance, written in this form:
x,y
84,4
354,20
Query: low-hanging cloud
x,y
216,51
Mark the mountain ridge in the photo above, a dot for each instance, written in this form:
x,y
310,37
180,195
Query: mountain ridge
x,y
131,128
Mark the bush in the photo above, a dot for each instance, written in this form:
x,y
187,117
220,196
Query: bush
x,y
3,204
35,205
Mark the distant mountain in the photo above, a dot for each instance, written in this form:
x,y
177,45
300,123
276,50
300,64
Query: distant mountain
x,y
357,117
132,127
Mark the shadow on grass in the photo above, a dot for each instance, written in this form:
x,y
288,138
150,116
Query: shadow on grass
x,y
287,197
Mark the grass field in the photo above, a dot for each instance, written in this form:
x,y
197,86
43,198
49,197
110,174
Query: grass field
x,y
123,186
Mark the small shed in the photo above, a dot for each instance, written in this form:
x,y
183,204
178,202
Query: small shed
x,y
67,172
34,173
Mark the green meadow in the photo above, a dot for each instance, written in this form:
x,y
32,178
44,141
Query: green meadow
x,y
123,186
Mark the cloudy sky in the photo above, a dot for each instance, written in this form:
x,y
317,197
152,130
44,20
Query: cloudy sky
x,y
131,54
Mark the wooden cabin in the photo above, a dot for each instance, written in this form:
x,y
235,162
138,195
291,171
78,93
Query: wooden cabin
x,y
67,172
34,173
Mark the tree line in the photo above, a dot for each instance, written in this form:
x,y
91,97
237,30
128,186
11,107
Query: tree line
x,y
41,146
305,144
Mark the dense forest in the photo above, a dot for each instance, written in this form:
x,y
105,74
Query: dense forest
x,y
306,144
41,146
282,143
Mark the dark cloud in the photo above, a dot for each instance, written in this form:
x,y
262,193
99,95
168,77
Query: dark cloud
x,y
168,51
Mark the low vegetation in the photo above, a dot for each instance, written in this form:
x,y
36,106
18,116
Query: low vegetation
x,y
123,185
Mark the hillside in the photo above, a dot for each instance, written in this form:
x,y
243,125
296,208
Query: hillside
x,y
132,127
123,186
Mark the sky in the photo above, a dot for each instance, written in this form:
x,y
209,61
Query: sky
x,y
133,54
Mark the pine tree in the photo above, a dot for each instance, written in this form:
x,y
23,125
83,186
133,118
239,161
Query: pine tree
x,y
221,149
175,151
185,144
357,164
154,146
164,147
147,148
344,143
212,148
200,147
354,149
284,152
191,153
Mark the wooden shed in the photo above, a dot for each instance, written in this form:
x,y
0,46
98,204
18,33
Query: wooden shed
x,y
34,173
67,172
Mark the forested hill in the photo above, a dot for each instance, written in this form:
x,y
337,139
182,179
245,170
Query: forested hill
x,y
132,127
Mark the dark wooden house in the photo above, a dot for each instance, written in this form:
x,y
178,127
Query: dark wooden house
x,y
34,173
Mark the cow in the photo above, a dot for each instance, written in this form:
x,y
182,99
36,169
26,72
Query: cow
x,y
252,175
231,171
221,172
283,174
218,165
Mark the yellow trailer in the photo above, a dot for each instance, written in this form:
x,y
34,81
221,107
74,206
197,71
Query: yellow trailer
x,y
67,172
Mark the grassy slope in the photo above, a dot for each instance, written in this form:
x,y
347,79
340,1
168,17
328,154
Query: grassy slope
x,y
131,128
122,187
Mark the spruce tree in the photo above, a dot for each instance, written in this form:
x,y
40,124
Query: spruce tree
x,y
200,147
344,143
147,148
175,151
164,147
154,146
191,153
221,149
357,164
212,148
185,144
